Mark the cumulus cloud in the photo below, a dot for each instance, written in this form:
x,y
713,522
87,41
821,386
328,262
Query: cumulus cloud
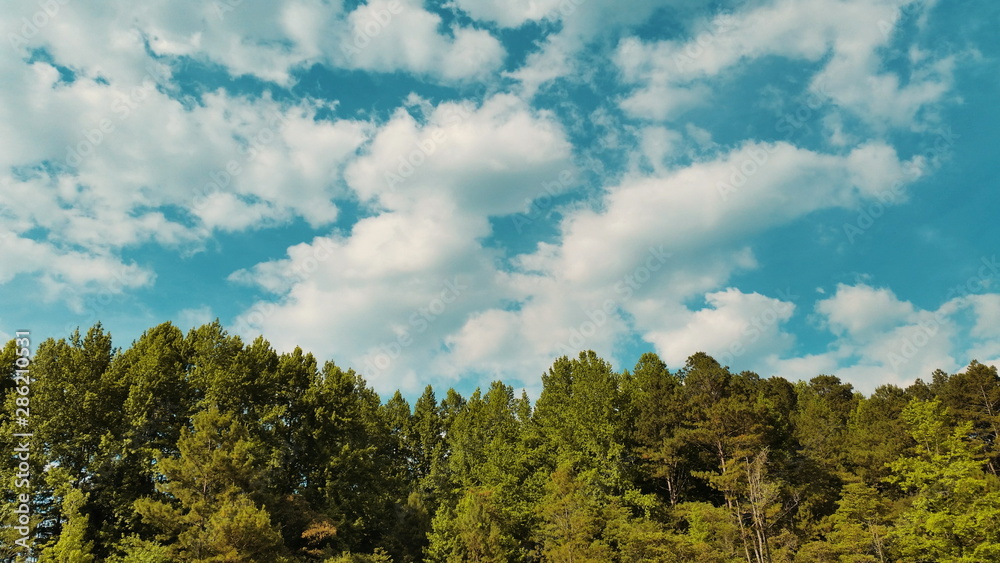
x,y
416,283
736,328
114,160
269,41
194,317
582,23
514,13
653,242
413,271
881,339
672,75
399,35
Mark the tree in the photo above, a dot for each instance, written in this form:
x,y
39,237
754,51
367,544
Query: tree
x,y
974,396
877,435
732,423
954,515
577,421
349,475
72,546
484,466
207,512
475,530
824,406
656,402
571,522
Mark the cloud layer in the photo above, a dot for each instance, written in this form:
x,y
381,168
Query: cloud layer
x,y
530,179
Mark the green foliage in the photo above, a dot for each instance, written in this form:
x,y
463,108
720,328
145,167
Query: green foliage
x,y
476,530
955,508
208,511
571,525
72,546
205,448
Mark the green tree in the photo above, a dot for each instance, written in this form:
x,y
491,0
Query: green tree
x,y
974,396
578,421
572,522
350,477
877,435
475,530
207,513
824,406
954,515
485,466
72,546
657,405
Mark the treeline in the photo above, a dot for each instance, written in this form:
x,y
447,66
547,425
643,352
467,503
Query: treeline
x,y
200,447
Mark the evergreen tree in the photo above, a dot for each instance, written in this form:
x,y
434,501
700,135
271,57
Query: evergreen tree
x,y
657,406
954,514
207,513
72,546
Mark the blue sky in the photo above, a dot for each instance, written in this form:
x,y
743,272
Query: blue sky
x,y
451,193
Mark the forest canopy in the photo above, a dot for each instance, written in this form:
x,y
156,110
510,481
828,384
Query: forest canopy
x,y
201,447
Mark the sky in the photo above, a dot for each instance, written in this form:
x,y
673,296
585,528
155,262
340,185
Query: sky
x,y
450,193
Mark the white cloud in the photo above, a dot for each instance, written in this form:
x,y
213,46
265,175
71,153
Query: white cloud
x,y
514,13
882,339
987,311
583,23
194,317
488,161
736,328
744,191
265,40
860,310
389,35
68,275
654,242
673,75
112,162
384,297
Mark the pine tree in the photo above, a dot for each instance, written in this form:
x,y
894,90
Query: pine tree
x,y
572,522
212,517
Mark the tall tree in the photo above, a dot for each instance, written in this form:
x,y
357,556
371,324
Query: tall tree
x,y
955,508
974,396
657,405
207,513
